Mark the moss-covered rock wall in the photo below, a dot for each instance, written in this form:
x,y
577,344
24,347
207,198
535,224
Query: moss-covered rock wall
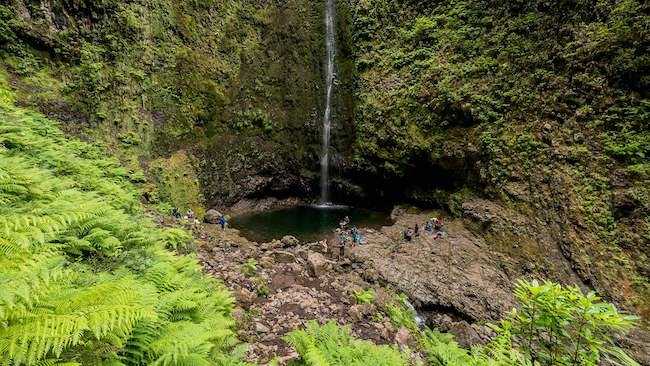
x,y
237,83
539,107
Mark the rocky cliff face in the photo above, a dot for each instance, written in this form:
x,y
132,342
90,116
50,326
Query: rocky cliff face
x,y
235,83
528,120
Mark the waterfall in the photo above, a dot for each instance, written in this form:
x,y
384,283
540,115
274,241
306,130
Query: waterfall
x,y
330,40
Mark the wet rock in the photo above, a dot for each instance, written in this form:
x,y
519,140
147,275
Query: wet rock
x,y
212,216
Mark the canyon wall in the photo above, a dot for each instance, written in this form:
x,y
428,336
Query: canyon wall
x,y
528,119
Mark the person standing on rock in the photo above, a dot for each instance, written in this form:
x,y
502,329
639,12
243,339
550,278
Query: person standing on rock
x,y
344,222
416,230
408,234
342,239
437,224
428,227
355,235
222,222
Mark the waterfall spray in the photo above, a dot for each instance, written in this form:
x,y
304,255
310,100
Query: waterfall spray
x,y
330,38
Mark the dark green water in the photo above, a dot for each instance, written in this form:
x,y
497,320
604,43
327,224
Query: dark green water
x,y
307,223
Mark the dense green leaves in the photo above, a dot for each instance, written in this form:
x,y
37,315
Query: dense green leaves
x,y
483,96
561,325
85,278
332,345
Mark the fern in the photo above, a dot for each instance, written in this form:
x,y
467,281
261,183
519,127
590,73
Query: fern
x,y
331,345
85,278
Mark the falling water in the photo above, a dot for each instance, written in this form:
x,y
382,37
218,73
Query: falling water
x,y
330,38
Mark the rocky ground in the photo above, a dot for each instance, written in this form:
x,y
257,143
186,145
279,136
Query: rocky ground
x,y
457,283
281,285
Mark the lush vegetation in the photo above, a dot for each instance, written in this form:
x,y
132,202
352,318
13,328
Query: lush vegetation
x,y
85,277
332,345
553,325
540,106
219,78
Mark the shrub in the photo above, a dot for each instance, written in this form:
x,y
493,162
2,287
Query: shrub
x,y
249,268
557,324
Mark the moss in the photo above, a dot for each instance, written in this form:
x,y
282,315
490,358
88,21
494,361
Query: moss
x,y
177,184
155,76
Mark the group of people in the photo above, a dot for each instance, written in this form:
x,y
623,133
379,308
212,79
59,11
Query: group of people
x,y
190,216
347,235
433,226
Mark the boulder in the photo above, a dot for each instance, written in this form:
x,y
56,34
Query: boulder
x,y
289,241
212,216
266,262
275,244
261,328
320,246
245,297
354,312
360,311
402,337
282,256
318,264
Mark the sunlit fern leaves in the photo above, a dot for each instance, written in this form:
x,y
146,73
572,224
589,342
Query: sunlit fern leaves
x,y
85,278
332,345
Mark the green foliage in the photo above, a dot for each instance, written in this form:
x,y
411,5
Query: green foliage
x,y
366,296
490,67
152,76
560,325
249,268
85,278
177,183
332,345
422,27
553,325
261,286
402,315
535,104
